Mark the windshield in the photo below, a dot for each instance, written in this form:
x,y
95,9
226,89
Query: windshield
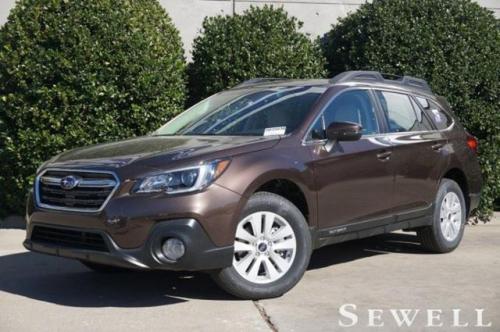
x,y
250,111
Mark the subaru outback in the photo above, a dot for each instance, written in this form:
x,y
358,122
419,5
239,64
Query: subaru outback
x,y
248,182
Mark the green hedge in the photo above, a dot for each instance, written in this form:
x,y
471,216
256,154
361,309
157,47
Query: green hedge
x,y
454,44
262,42
79,72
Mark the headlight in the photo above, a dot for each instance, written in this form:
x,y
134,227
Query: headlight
x,y
183,180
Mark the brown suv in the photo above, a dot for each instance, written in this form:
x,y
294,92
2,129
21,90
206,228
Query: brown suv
x,y
246,183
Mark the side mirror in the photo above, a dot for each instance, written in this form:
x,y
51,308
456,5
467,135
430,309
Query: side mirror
x,y
343,131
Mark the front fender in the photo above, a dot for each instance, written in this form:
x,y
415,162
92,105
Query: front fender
x,y
247,173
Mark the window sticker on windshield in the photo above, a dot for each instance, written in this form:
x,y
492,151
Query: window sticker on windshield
x,y
437,116
273,131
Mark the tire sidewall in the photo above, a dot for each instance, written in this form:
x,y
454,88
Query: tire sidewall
x,y
268,202
445,187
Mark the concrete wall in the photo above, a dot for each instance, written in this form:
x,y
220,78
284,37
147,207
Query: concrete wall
x,y
317,15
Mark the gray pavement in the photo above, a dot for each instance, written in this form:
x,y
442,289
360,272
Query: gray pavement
x,y
366,277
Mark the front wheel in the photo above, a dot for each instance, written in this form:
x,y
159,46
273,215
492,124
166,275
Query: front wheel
x,y
449,219
272,249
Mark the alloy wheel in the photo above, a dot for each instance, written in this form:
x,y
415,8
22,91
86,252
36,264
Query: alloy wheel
x,y
450,216
264,248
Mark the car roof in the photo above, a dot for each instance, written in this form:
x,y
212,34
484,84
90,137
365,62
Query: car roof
x,y
369,79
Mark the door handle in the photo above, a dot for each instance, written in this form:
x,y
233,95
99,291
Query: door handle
x,y
437,146
384,155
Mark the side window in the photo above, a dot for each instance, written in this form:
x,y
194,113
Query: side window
x,y
424,122
353,106
350,106
400,112
318,130
423,102
440,118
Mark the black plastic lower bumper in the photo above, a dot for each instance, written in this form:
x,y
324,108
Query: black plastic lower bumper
x,y
200,254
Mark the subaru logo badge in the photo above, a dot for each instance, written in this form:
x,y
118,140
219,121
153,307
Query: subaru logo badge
x,y
69,182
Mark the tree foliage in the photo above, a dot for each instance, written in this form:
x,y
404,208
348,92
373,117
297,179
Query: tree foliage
x,y
80,72
261,42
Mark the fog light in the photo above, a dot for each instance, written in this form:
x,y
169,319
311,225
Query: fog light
x,y
173,249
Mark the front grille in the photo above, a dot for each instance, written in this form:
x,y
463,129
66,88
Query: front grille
x,y
90,193
68,238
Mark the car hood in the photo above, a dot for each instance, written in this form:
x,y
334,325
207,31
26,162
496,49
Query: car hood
x,y
160,151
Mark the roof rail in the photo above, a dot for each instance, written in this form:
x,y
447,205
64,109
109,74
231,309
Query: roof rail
x,y
416,82
376,76
258,80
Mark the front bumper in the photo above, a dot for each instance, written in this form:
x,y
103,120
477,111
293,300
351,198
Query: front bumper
x,y
129,219
201,253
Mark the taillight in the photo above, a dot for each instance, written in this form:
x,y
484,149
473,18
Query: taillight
x,y
472,142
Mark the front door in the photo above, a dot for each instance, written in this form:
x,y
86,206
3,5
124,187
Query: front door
x,y
354,180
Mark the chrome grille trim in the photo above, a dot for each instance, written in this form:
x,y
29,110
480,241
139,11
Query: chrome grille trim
x,y
50,180
84,183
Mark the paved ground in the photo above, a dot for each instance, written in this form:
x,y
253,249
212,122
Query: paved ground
x,y
42,293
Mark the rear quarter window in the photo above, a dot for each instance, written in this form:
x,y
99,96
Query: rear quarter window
x,y
439,117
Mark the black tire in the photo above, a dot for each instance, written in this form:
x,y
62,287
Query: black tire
x,y
232,282
101,268
431,237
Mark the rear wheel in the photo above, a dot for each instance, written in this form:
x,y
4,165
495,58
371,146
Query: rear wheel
x,y
272,248
449,219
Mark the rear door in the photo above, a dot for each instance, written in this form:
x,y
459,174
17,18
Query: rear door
x,y
419,153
